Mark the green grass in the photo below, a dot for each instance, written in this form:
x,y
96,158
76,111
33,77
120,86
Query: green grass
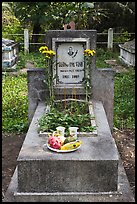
x,y
34,57
102,55
14,103
124,100
124,91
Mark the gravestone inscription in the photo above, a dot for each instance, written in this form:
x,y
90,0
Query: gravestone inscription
x,y
70,63
69,67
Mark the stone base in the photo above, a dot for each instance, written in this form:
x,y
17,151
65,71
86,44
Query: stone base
x,y
92,168
123,194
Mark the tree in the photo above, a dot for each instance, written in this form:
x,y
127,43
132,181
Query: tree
x,y
83,13
7,6
10,24
41,16
32,14
54,14
119,16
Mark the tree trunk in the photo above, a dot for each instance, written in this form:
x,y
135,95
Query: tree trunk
x,y
36,30
35,38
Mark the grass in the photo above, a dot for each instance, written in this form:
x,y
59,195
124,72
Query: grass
x,y
103,55
124,100
34,57
14,103
15,99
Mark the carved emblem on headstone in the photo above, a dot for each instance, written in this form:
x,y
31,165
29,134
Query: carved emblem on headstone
x,y
72,52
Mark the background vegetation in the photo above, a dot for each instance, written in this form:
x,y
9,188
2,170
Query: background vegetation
x,y
41,16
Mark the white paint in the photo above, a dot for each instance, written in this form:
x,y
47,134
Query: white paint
x,y
26,41
110,38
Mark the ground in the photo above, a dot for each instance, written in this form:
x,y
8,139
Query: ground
x,y
11,145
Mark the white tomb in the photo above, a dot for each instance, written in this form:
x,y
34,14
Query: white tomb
x,y
9,54
127,53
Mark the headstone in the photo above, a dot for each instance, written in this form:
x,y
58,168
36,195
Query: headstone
x,y
70,60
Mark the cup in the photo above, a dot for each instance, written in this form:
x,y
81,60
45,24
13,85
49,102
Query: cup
x,y
61,130
73,131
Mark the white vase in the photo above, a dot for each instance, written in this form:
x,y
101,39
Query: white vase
x,y
73,131
61,130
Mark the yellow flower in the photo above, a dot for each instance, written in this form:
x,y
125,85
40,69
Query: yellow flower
x,y
52,53
89,52
47,56
49,53
43,48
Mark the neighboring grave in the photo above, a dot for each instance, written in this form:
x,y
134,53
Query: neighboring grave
x,y
127,53
10,51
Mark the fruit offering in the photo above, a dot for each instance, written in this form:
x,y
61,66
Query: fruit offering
x,y
71,145
56,141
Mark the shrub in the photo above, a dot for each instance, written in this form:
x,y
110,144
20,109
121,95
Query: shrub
x,y
124,37
11,25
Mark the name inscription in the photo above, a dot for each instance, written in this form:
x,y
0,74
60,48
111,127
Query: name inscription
x,y
70,63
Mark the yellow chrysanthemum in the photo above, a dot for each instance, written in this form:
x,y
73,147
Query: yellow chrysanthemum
x,y
49,53
45,51
89,52
47,56
43,48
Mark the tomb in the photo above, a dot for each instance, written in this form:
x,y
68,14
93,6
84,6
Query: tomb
x,y
94,172
127,53
9,54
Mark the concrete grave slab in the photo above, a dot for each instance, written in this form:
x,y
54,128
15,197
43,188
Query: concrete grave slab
x,y
92,173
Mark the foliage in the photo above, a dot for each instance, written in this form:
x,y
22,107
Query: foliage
x,y
11,25
32,16
88,54
33,57
14,104
41,16
119,15
7,6
49,54
124,100
73,115
52,15
124,37
83,13
104,54
31,12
